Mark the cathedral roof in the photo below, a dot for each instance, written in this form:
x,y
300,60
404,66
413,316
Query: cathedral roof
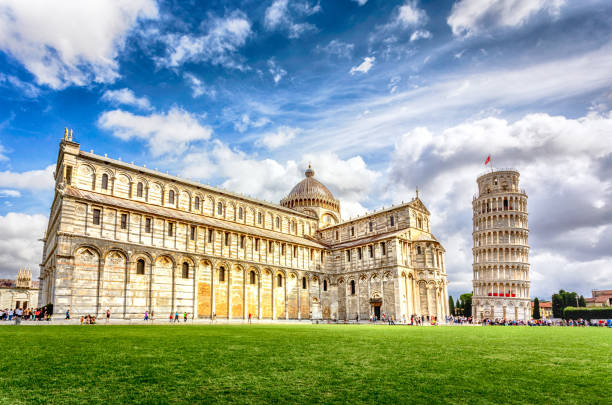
x,y
310,188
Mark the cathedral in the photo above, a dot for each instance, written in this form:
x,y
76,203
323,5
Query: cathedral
x,y
129,239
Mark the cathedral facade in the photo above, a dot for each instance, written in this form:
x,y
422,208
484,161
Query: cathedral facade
x,y
130,239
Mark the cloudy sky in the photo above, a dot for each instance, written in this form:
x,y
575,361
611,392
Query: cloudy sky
x,y
381,96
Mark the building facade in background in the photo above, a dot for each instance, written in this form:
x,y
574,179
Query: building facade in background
x,y
130,239
20,293
600,298
501,248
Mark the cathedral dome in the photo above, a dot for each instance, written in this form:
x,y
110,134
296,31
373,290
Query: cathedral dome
x,y
310,187
311,193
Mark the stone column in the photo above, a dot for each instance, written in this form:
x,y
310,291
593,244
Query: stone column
x,y
299,304
212,289
286,306
196,272
244,294
259,277
229,292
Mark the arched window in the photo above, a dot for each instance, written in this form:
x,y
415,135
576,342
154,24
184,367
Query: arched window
x,y
240,213
352,231
352,287
220,208
221,274
337,235
185,270
196,203
324,285
279,280
371,225
303,283
105,181
293,227
171,197
252,277
392,220
259,218
418,250
139,190
277,222
140,266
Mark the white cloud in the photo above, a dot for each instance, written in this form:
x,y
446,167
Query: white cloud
x,y
281,137
365,66
568,183
198,87
245,122
126,97
218,46
166,133
410,15
350,180
470,17
453,97
65,42
361,2
19,242
26,89
390,37
9,193
338,48
28,180
276,71
393,84
279,16
2,153
420,34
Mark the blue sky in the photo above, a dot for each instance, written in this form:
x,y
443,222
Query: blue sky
x,y
381,96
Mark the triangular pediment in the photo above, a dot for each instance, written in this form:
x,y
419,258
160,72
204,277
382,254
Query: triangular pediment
x,y
418,204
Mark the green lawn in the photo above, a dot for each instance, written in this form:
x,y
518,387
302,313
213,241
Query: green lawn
x,y
305,363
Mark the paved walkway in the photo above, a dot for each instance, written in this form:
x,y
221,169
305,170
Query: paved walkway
x,y
102,321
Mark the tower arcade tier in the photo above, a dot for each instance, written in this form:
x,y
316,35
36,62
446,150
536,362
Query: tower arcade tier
x,y
501,248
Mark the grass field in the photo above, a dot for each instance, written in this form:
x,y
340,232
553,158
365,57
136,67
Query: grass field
x,y
305,363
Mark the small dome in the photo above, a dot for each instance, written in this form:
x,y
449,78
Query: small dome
x,y
310,187
310,192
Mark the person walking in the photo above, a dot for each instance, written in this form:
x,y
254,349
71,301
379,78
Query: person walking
x,y
107,315
176,317
146,316
184,317
249,318
171,317
68,313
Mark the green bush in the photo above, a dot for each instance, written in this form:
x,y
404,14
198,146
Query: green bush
x,y
587,313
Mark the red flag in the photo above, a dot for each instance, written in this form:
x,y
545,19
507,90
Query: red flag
x,y
488,160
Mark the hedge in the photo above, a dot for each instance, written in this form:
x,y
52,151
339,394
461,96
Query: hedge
x,y
587,313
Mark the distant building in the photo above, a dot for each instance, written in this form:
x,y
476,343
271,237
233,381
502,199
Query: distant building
x,y
20,293
600,298
545,309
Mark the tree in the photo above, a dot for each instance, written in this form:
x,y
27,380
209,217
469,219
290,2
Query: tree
x,y
557,305
458,309
581,301
563,299
536,308
451,305
466,304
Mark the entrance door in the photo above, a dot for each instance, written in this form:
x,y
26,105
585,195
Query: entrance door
x,y
377,312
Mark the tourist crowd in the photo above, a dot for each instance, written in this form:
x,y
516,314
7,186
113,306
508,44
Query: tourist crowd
x,y
28,314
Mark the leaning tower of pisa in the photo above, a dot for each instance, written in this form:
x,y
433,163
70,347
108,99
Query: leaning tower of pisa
x,y
501,248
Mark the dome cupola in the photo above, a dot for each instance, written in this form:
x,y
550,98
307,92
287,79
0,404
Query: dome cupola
x,y
311,196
